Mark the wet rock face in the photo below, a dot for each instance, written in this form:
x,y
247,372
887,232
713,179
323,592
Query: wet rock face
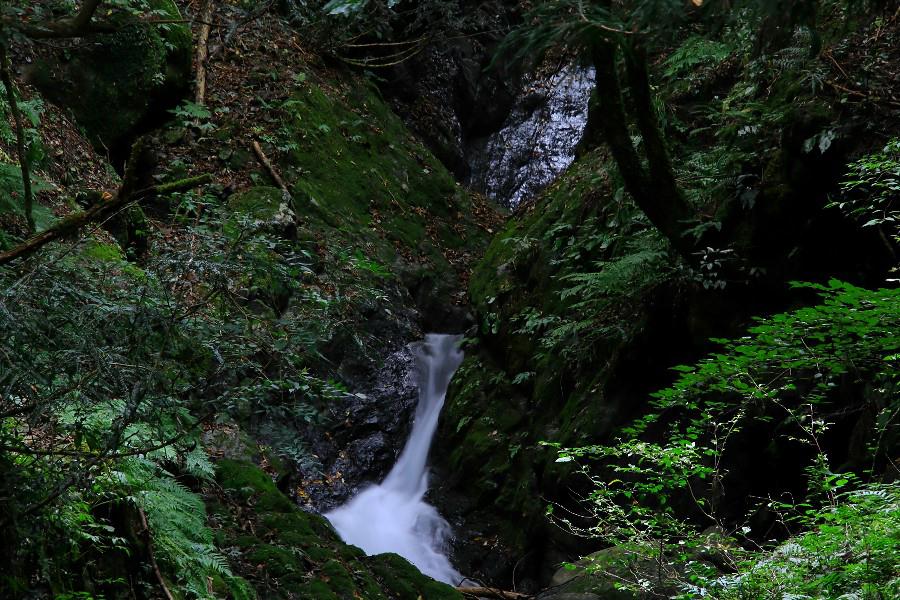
x,y
452,92
537,142
368,432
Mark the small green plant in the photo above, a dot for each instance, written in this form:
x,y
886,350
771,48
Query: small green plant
x,y
192,115
786,372
693,53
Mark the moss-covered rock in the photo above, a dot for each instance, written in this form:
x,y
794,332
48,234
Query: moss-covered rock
x,y
122,81
291,554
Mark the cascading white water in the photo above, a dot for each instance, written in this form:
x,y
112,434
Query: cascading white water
x,y
393,516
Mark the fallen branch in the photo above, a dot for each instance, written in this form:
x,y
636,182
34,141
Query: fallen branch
x,y
146,533
271,169
487,592
74,222
863,95
203,51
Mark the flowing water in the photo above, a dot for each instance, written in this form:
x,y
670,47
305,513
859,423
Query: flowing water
x,y
393,516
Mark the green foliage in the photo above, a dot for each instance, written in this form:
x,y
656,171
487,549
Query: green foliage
x,y
787,372
12,192
693,53
871,191
851,551
177,520
852,332
104,362
194,115
31,110
606,261
633,504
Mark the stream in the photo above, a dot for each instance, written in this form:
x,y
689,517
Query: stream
x,y
393,516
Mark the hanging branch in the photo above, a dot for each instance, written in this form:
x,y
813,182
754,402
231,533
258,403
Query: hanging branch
x,y
6,76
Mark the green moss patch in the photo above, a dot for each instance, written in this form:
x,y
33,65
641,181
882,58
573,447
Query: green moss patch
x,y
287,553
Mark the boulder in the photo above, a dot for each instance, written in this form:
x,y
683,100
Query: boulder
x,y
116,85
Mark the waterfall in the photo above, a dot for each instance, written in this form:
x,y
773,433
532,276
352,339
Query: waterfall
x,y
393,516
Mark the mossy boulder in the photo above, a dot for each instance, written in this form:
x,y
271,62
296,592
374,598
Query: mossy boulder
x,y
122,82
263,207
623,572
292,554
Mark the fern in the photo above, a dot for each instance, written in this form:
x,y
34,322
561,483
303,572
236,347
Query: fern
x,y
177,519
626,275
696,51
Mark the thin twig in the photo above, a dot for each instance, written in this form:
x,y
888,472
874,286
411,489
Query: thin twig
x,y
159,577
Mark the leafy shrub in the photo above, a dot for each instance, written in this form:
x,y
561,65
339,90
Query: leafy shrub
x,y
109,370
871,192
787,372
851,552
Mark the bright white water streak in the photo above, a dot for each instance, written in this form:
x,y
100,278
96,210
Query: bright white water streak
x,y
393,516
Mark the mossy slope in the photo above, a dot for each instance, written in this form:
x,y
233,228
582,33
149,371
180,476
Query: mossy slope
x,y
582,308
290,554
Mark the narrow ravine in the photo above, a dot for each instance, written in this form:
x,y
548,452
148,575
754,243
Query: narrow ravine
x,y
393,516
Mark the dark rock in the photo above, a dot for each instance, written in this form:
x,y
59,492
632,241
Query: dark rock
x,y
118,85
368,432
455,90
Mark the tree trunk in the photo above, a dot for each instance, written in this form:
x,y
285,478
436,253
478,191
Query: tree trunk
x,y
674,215
6,76
654,190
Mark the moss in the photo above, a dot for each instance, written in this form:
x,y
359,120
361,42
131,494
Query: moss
x,y
103,252
294,554
116,84
404,582
277,560
260,202
251,482
358,171
317,590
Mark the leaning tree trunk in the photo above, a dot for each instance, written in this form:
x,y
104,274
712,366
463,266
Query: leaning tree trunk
x,y
653,189
677,215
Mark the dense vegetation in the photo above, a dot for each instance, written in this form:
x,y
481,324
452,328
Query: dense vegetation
x,y
683,358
